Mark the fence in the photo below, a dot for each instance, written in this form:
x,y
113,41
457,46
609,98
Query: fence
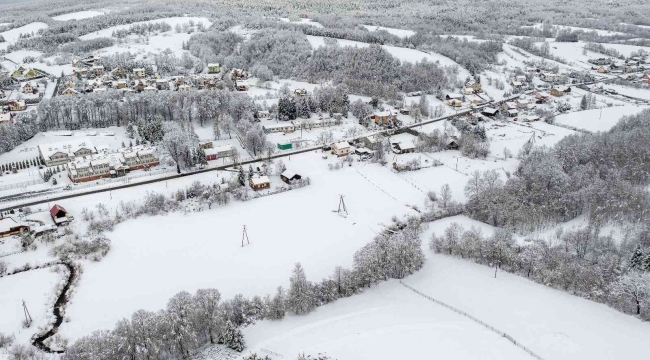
x,y
22,184
272,353
458,311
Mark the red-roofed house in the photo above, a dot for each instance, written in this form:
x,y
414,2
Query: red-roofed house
x,y
59,214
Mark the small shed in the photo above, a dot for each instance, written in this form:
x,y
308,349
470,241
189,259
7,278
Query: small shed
x,y
289,176
59,214
259,182
285,146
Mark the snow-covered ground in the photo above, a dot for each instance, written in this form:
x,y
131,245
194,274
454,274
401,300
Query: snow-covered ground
x,y
397,32
574,28
303,22
597,119
389,321
78,15
36,288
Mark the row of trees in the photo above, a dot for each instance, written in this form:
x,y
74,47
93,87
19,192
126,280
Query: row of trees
x,y
190,321
582,261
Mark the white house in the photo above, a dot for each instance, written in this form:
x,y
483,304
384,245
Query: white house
x,y
341,148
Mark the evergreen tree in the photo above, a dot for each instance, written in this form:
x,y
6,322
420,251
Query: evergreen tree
x,y
636,261
287,108
276,307
646,263
584,104
301,299
123,144
130,143
242,176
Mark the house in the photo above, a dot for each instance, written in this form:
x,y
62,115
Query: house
x,y
139,72
521,78
557,92
2,94
646,78
631,69
542,97
337,117
489,111
184,88
384,117
552,77
513,112
59,214
9,227
341,148
98,70
121,84
516,84
263,114
61,152
81,72
149,89
214,68
509,105
604,70
28,88
452,143
241,85
404,147
289,176
451,96
300,92
225,151
5,118
200,81
405,111
455,103
468,91
210,154
162,84
522,103
239,74
206,145
17,105
259,182
179,80
118,73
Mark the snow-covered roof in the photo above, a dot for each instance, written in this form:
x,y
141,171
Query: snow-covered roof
x,y
490,110
150,88
513,112
68,147
213,65
241,82
342,145
511,105
224,148
288,174
382,113
5,117
138,70
454,96
406,145
210,151
260,180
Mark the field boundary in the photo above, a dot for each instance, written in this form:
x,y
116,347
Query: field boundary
x,y
458,311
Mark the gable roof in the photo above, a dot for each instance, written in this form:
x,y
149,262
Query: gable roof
x,y
55,210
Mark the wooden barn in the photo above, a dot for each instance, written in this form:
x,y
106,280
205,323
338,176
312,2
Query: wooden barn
x,y
9,227
59,214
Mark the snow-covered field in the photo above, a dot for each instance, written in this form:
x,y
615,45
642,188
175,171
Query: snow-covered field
x,y
575,28
397,32
597,119
12,35
36,289
78,15
173,21
303,22
389,321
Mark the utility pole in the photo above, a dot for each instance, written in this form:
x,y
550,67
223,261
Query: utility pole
x,y
245,236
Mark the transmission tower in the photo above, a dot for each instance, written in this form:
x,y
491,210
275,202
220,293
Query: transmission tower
x,y
342,207
244,235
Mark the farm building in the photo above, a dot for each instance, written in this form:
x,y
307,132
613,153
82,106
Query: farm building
x,y
289,176
59,214
9,227
98,70
489,111
341,148
259,182
242,85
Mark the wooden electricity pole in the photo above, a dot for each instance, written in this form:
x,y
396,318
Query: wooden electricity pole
x,y
245,236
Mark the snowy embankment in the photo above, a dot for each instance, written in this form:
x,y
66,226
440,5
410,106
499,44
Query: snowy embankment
x,y
597,119
390,321
78,15
402,54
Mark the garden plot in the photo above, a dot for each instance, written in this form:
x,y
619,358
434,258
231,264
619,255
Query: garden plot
x,y
402,33
163,252
597,119
36,289
78,15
